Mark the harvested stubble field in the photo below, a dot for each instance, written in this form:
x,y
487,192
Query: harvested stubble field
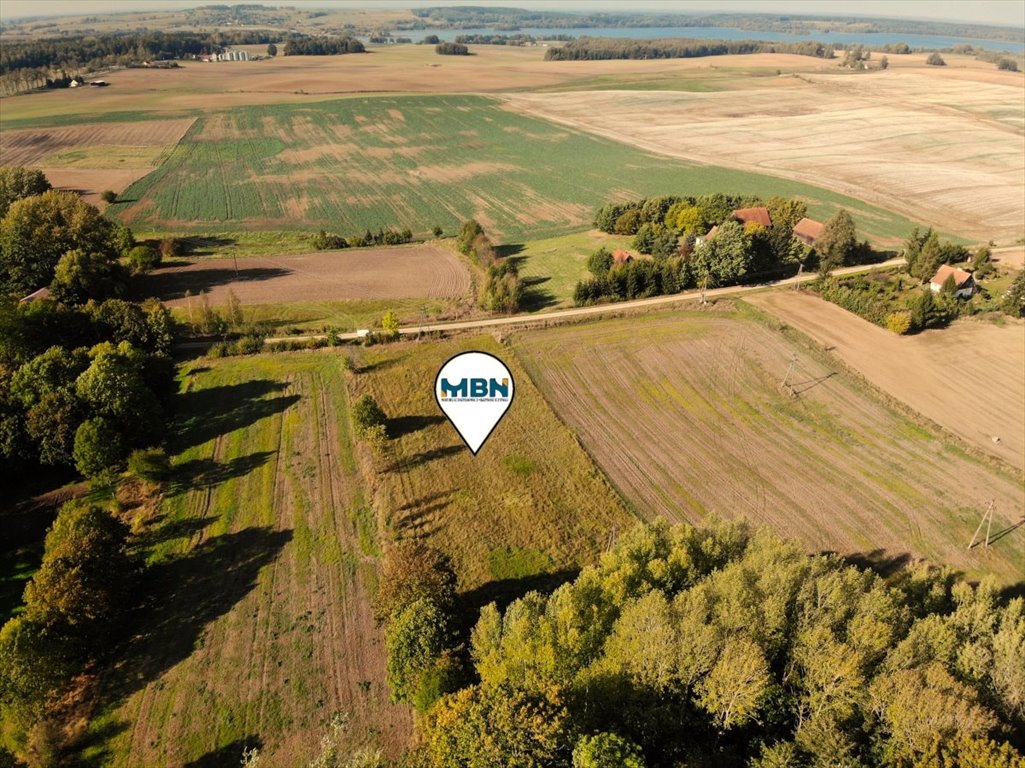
x,y
530,503
686,415
92,158
417,161
263,562
969,378
197,88
944,150
398,272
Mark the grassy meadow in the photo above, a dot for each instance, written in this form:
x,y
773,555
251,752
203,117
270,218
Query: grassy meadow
x,y
261,565
418,161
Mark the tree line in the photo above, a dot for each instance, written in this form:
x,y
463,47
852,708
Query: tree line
x,y
86,377
326,241
601,48
502,290
322,46
451,49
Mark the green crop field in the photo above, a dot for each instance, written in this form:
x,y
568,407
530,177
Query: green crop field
x,y
686,414
417,161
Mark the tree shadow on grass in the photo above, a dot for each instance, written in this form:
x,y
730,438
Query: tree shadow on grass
x,y
206,473
228,755
185,595
504,591
534,296
173,282
208,413
407,463
884,563
406,425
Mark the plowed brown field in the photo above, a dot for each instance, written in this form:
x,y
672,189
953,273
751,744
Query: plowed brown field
x,y
90,159
945,150
359,273
969,378
686,414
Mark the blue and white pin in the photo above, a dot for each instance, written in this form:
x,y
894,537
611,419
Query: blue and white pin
x,y
474,390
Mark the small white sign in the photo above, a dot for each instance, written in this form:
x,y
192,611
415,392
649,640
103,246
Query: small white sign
x,y
474,390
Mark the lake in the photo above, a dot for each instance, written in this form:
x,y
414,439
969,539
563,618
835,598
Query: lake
x,y
729,33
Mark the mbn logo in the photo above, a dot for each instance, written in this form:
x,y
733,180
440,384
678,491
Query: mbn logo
x,y
475,388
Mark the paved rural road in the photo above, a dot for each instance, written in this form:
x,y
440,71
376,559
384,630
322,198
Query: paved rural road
x,y
562,314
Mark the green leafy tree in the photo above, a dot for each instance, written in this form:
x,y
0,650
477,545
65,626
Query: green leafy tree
x,y
785,212
838,243
114,386
735,688
725,258
367,415
52,423
412,571
98,447
607,750
80,276
600,262
390,322
17,183
272,50
81,588
415,639
108,196
38,231
143,259
1013,302
469,232
497,726
54,370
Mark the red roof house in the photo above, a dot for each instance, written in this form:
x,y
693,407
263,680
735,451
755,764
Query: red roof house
x,y
753,215
621,257
964,283
37,295
808,231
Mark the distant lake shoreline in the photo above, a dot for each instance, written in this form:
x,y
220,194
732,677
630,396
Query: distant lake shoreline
x,y
729,33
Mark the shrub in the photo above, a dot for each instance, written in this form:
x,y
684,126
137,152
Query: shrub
x,y
367,414
108,196
1008,65
935,60
451,49
899,322
142,258
97,447
322,241
390,323
437,231
149,464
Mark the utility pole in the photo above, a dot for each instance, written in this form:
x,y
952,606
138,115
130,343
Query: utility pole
x,y
785,384
987,518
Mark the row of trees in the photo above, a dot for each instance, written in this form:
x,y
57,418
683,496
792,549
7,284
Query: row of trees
x,y
322,46
726,646
502,290
451,49
324,241
601,48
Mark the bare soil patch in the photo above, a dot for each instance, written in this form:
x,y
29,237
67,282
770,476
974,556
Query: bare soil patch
x,y
92,182
686,414
359,273
31,146
968,378
947,151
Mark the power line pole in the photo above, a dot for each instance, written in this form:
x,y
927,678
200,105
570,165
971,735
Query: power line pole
x,y
785,384
987,518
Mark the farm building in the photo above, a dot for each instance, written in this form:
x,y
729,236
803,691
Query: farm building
x,y
964,283
37,295
621,257
708,235
808,231
233,56
753,216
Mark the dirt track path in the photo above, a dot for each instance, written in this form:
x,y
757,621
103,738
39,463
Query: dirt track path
x,y
968,378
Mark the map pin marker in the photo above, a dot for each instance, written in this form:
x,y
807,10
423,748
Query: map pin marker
x,y
474,390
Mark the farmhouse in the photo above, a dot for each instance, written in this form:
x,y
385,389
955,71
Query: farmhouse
x,y
621,257
964,283
808,231
708,235
758,215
